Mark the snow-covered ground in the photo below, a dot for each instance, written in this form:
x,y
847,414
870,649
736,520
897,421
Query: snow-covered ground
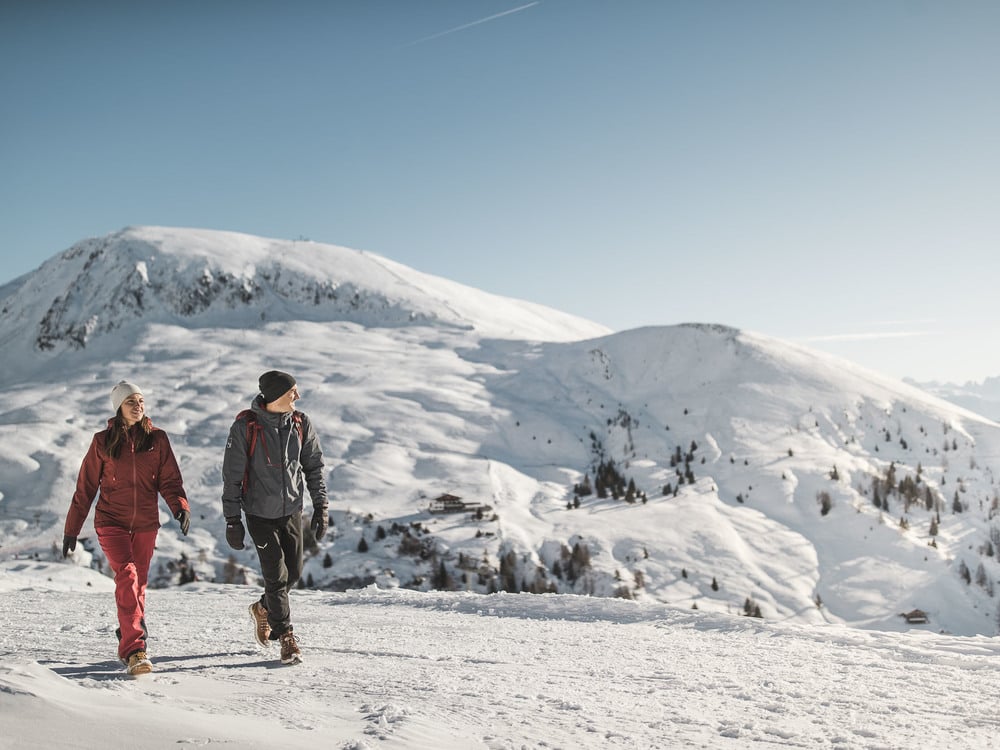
x,y
458,671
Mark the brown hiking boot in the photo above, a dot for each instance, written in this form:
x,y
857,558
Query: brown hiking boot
x,y
290,653
261,630
138,663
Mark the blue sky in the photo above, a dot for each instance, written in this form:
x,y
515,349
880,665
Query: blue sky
x,y
823,172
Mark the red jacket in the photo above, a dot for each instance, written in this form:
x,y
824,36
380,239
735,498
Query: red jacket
x,y
128,485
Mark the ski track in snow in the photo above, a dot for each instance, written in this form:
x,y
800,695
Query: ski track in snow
x,y
400,669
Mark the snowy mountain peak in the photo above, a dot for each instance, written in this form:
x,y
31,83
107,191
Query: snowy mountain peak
x,y
158,274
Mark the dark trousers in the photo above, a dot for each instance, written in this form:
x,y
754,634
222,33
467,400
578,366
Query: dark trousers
x,y
279,549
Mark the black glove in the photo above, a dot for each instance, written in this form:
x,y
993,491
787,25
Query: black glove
x,y
320,523
69,545
235,533
184,519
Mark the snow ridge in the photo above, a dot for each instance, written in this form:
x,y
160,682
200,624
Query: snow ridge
x,y
155,274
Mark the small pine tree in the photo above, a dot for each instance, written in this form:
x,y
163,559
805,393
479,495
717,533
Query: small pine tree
x,y
981,579
963,572
362,545
442,580
231,570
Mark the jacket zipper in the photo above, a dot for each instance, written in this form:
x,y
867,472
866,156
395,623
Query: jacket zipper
x,y
135,496
283,444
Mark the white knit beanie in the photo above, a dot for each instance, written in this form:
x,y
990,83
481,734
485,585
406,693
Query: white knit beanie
x,y
122,391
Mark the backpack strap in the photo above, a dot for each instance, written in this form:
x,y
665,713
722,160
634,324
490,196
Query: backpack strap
x,y
253,430
253,427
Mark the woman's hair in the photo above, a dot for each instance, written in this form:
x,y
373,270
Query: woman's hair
x,y
118,431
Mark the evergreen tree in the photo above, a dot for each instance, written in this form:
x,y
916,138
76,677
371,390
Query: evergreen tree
x,y
442,580
231,570
963,572
981,578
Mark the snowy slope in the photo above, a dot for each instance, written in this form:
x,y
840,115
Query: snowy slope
x,y
421,387
456,671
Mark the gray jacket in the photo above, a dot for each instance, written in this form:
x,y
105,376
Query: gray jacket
x,y
279,471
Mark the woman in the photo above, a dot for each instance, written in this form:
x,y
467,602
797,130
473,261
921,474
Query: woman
x,y
127,466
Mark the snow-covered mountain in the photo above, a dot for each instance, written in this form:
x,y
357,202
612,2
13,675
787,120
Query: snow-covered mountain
x,y
188,277
982,398
740,473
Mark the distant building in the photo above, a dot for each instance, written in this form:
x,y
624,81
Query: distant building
x,y
453,504
915,617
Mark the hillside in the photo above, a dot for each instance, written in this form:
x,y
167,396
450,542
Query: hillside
x,y
742,474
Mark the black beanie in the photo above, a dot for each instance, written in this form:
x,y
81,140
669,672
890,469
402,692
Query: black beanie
x,y
274,384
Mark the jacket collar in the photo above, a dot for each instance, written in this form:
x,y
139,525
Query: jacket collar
x,y
267,417
111,421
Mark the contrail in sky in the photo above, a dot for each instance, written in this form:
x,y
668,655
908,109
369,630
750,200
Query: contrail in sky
x,y
473,23
869,336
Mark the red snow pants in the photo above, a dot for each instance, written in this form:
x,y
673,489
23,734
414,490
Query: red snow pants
x,y
129,553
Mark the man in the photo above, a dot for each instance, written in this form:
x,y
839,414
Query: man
x,y
272,456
